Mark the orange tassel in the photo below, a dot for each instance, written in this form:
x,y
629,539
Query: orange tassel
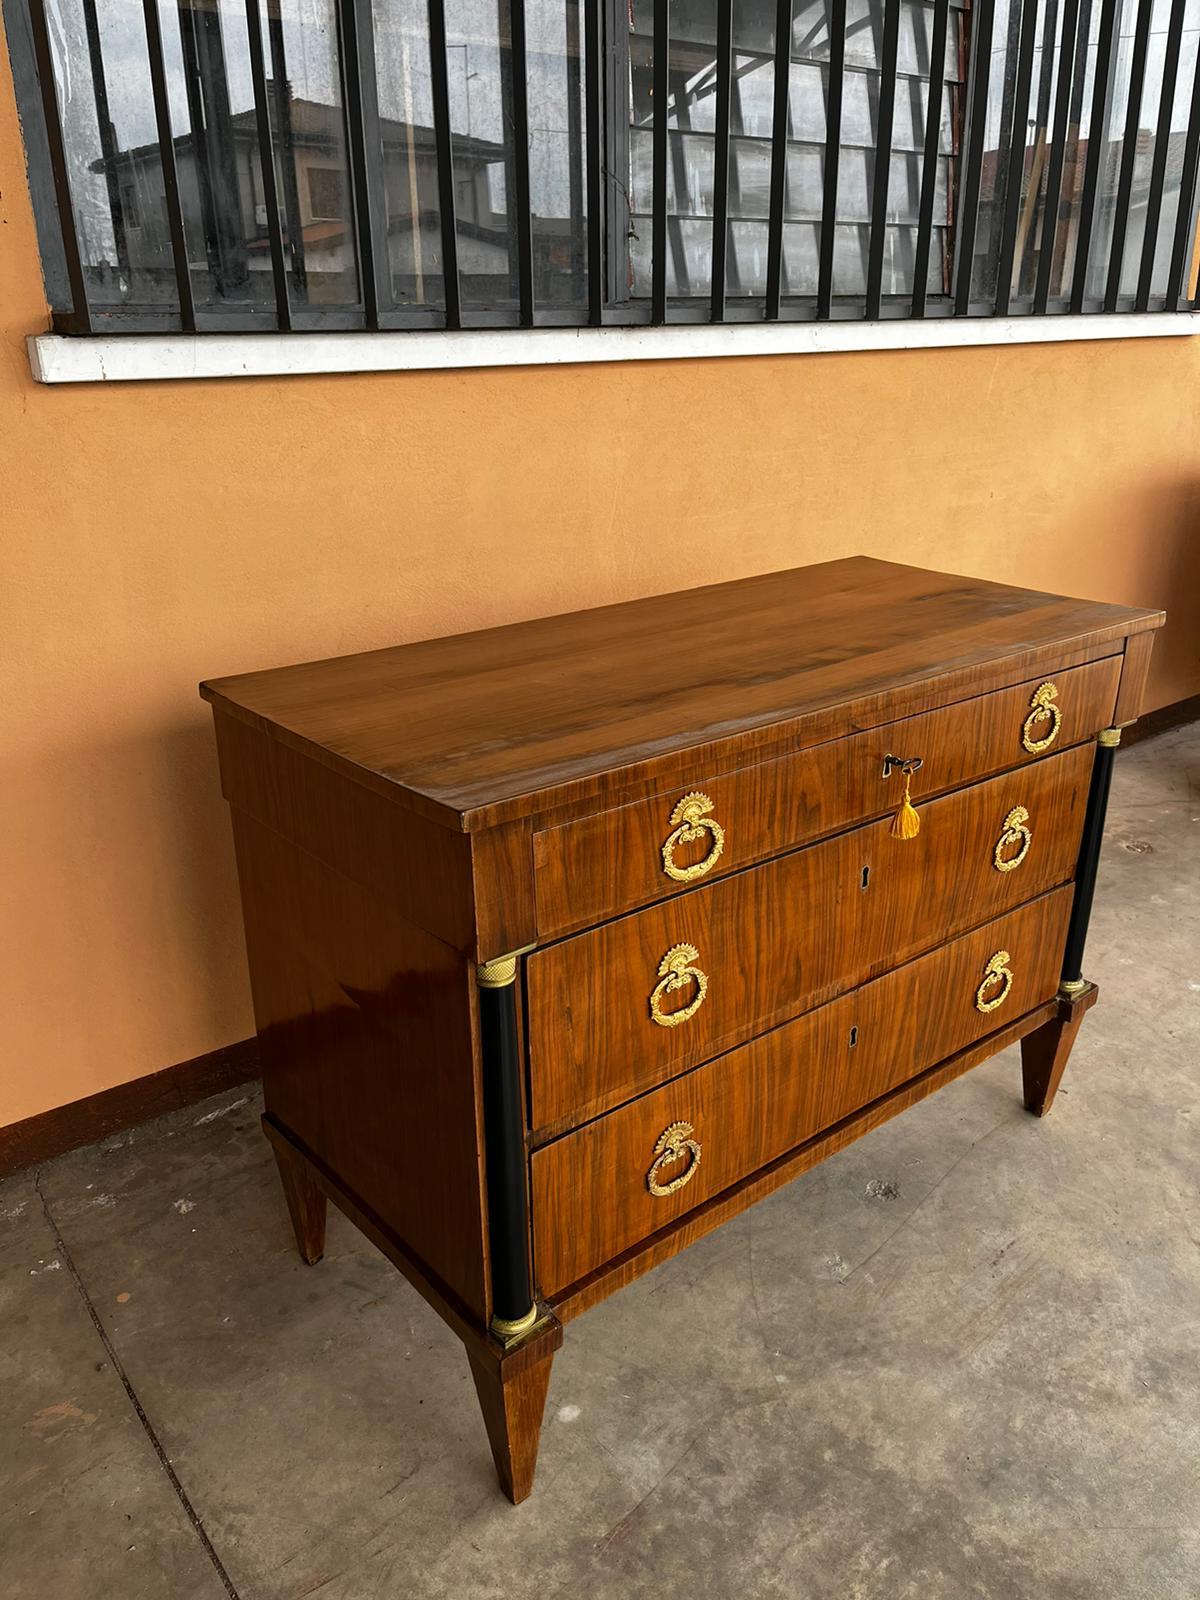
x,y
906,824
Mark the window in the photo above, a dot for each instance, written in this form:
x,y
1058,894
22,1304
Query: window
x,y
829,145
314,164
326,194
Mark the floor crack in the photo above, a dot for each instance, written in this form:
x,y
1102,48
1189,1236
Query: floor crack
x,y
181,1494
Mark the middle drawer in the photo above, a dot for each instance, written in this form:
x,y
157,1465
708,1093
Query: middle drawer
x,y
622,1007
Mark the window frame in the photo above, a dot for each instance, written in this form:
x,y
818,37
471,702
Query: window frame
x,y
605,134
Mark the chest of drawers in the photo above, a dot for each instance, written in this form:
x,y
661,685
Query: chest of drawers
x,y
569,940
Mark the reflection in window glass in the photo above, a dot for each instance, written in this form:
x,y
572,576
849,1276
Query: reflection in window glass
x,y
115,161
1059,234
308,130
554,66
480,73
1181,110
207,60
103,84
412,208
1146,137
480,77
691,121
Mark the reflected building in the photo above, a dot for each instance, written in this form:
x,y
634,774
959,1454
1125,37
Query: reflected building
x,y
225,209
117,177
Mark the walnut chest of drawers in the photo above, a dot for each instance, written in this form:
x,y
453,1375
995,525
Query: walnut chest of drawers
x,y
569,940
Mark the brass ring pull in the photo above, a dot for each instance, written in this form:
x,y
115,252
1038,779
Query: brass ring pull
x,y
691,820
676,971
996,971
672,1143
1015,833
1041,705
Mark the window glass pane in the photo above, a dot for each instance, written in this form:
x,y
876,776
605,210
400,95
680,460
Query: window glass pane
x,y
103,84
1181,108
1147,142
115,164
207,57
308,131
1039,133
1062,237
851,248
1038,130
1114,145
480,111
1079,119
750,178
411,201
1006,30
691,153
115,160
554,30
481,117
691,105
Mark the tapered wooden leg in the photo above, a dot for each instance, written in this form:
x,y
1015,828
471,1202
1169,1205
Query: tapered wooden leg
x,y
305,1198
512,1396
1045,1052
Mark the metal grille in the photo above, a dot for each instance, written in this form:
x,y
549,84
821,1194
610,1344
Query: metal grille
x,y
226,165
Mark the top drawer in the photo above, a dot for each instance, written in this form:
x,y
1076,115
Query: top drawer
x,y
601,865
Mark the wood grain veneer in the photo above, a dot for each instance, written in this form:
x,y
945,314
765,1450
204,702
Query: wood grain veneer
x,y
596,867
368,1056
590,1196
483,727
779,938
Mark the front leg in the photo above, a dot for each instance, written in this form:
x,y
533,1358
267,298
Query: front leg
x,y
1045,1052
512,1386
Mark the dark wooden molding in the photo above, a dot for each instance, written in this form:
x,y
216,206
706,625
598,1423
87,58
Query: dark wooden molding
x,y
53,1133
1177,715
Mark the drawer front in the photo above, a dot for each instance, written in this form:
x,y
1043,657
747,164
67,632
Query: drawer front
x,y
602,865
609,1185
620,1008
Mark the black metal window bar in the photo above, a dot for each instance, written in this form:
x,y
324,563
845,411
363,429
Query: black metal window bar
x,y
589,162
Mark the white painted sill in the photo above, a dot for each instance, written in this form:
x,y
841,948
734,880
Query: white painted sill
x,y
101,358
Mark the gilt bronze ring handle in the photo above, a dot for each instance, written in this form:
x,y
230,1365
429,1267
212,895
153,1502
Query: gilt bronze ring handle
x,y
1042,704
676,971
1015,833
672,1143
996,971
691,820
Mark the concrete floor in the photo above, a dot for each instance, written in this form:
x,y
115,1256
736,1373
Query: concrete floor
x,y
960,1359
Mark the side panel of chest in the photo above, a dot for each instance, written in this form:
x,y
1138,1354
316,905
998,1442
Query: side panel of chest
x,y
366,1017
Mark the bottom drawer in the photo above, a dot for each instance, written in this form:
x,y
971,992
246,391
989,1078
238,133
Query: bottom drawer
x,y
607,1185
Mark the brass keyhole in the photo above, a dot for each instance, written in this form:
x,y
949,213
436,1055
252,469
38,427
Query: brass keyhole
x,y
853,1036
866,878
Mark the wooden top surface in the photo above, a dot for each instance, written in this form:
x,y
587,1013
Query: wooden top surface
x,y
482,727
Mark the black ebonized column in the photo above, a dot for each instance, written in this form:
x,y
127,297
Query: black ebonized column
x,y
508,1211
1089,859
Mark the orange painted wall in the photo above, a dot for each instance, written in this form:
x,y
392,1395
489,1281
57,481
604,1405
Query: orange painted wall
x,y
153,535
